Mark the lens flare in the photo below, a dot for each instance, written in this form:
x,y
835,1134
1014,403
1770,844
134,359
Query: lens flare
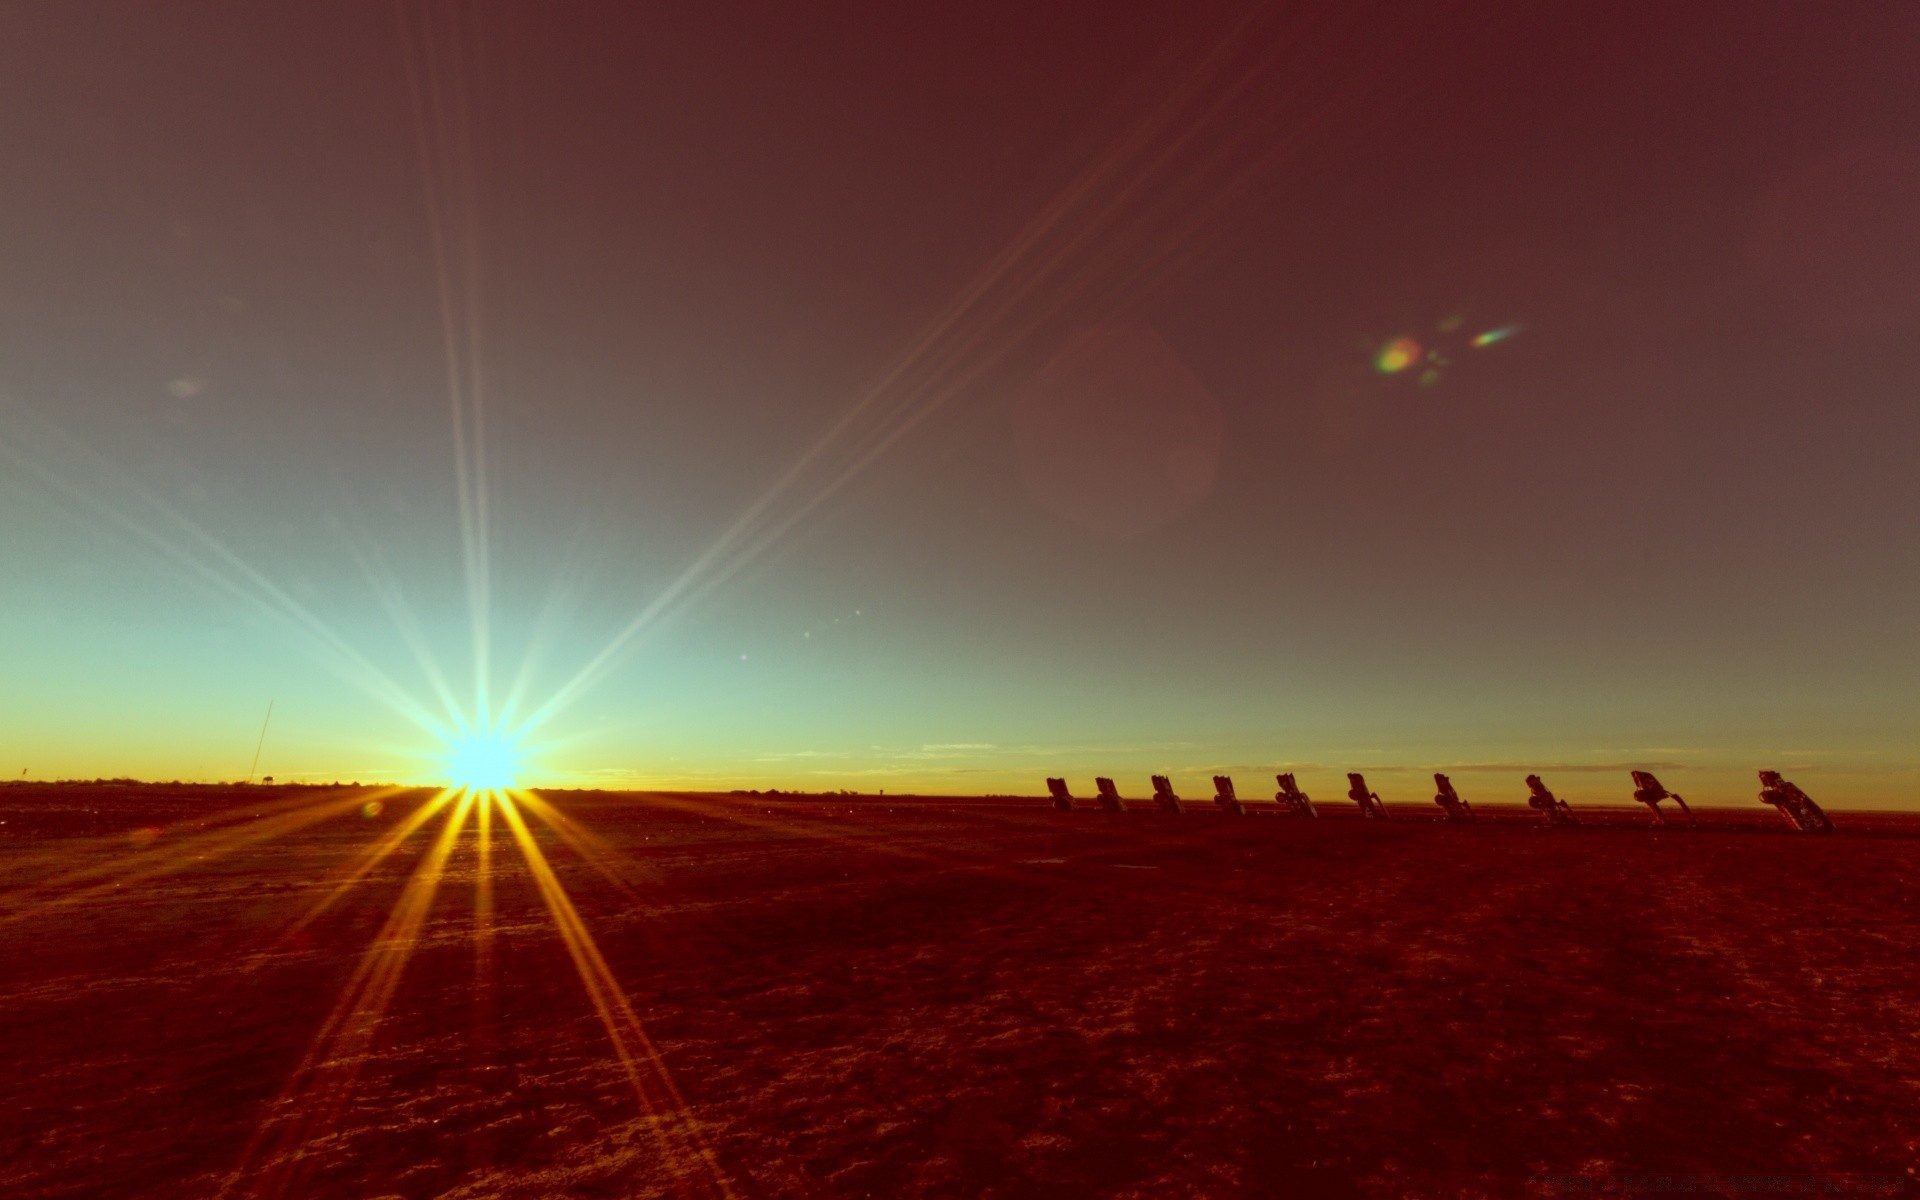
x,y
1396,356
1482,340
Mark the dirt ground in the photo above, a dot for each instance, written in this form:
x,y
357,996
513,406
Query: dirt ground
x,y
886,997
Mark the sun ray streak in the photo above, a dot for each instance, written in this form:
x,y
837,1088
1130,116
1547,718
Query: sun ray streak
x,y
484,933
310,1104
441,108
594,850
194,851
345,879
175,836
386,589
560,602
231,576
1070,250
671,1118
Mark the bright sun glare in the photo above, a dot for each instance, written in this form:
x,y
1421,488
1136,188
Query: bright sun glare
x,y
483,763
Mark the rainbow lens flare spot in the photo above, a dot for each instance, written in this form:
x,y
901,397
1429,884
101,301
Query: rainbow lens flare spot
x,y
1483,340
1397,355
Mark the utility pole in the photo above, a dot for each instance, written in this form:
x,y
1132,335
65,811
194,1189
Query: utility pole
x,y
263,741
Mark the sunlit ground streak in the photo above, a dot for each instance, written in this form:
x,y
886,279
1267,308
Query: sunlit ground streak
x,y
178,848
342,882
671,1118
323,1082
278,1160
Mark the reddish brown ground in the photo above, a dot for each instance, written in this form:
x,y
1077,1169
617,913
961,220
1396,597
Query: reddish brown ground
x,y
881,997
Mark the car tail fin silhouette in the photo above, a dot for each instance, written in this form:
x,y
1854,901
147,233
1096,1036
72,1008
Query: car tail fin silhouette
x,y
1545,802
1062,798
1369,802
1648,791
1108,799
1449,800
1224,797
1163,796
1795,805
1292,799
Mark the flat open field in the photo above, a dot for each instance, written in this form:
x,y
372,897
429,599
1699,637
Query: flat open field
x,y
839,996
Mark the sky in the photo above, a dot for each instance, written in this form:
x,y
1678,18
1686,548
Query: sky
x,y
941,398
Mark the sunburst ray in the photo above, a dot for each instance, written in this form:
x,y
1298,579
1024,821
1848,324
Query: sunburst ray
x,y
671,1118
317,1091
182,851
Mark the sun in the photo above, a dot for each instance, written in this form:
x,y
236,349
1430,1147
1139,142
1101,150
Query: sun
x,y
483,762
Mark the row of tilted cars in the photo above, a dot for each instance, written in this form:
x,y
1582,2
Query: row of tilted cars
x,y
1794,805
